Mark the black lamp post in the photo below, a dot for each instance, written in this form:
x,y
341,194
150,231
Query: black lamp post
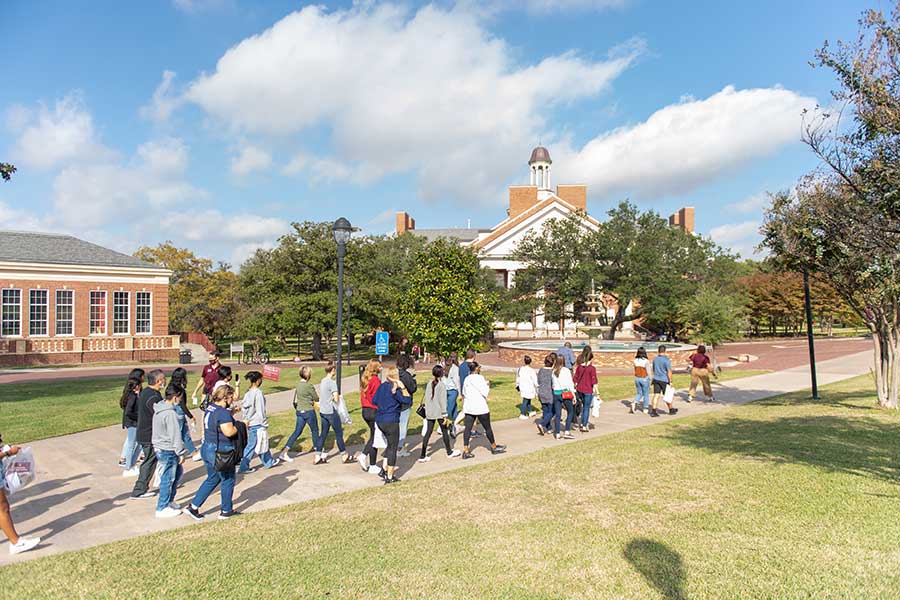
x,y
809,335
342,230
349,293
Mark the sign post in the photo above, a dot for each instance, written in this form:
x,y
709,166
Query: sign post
x,y
382,341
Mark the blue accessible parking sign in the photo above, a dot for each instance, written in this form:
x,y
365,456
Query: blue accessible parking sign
x,y
381,342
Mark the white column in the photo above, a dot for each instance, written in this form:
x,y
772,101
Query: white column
x,y
547,182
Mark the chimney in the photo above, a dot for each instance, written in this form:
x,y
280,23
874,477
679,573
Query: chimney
x,y
576,195
405,222
683,219
521,198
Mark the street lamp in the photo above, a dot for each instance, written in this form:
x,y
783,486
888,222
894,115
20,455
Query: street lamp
x,y
342,230
809,335
349,293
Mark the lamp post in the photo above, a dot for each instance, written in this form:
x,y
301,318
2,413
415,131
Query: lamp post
x,y
349,293
342,230
809,335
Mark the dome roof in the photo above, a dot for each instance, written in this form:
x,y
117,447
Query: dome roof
x,y
540,154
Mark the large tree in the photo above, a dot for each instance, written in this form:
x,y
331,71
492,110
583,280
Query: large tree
x,y
842,224
711,316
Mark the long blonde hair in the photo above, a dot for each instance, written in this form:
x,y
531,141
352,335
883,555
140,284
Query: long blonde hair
x,y
558,366
392,374
372,368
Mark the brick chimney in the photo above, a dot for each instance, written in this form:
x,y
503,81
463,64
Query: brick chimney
x,y
576,195
405,222
683,219
521,198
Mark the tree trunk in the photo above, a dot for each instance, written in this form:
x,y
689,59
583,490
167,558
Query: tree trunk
x,y
351,342
317,346
886,346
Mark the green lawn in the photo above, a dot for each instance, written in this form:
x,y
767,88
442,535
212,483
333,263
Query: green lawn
x,y
784,498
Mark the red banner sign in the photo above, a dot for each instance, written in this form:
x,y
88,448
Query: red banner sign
x,y
271,372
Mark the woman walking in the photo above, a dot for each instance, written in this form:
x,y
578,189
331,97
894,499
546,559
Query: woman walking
x,y
585,384
475,407
328,400
218,430
253,409
179,379
305,400
700,371
563,397
391,400
17,544
451,382
406,367
545,394
368,386
526,383
436,412
641,381
131,450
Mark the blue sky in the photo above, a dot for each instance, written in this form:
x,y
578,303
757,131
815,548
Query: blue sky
x,y
215,123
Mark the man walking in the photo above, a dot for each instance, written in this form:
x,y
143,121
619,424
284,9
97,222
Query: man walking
x,y
150,395
568,354
465,369
208,378
662,378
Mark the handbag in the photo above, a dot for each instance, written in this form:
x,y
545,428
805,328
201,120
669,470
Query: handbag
x,y
421,410
567,395
225,460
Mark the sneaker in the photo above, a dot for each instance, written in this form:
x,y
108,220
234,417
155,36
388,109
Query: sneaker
x,y
467,455
320,460
174,506
476,434
167,513
224,516
523,417
132,472
363,461
424,459
557,436
532,413
194,513
673,411
404,453
122,462
383,474
374,470
689,399
246,471
568,435
275,463
147,494
196,457
631,409
455,454
654,413
498,449
394,479
540,428
24,545
284,456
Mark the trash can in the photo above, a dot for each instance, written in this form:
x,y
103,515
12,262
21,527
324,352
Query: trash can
x,y
184,357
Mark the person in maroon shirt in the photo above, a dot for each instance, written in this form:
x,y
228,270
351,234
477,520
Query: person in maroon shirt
x,y
368,386
585,381
208,378
700,371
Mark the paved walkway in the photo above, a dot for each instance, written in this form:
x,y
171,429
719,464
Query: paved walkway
x,y
81,499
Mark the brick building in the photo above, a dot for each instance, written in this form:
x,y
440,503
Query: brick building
x,y
64,301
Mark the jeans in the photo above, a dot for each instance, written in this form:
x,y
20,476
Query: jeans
x,y
130,449
185,431
148,468
171,473
214,478
642,385
307,417
558,405
334,421
250,451
368,415
525,407
404,424
485,421
452,406
586,408
546,415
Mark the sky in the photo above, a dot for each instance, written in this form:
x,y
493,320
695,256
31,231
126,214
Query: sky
x,y
217,123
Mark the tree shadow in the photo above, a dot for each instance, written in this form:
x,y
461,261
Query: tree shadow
x,y
88,511
661,566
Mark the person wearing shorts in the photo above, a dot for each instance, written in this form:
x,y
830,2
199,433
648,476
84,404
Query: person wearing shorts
x,y
662,378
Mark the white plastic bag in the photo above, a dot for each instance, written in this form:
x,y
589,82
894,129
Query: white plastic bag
x,y
20,470
157,476
595,407
342,411
669,394
380,440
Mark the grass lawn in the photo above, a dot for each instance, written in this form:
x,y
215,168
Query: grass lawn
x,y
783,498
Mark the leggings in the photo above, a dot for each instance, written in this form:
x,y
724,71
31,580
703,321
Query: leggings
x,y
368,415
391,431
485,421
444,434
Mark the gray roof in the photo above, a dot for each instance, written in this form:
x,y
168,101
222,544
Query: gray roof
x,y
52,248
460,234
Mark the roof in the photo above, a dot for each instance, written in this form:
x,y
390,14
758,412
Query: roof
x,y
460,234
52,248
540,154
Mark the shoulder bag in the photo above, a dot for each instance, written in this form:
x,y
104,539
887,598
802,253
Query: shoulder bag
x,y
225,460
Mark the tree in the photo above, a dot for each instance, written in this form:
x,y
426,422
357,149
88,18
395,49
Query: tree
x,y
711,316
202,297
6,171
446,309
842,225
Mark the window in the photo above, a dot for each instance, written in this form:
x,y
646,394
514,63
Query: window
x,y
98,313
38,312
120,312
11,317
142,312
65,312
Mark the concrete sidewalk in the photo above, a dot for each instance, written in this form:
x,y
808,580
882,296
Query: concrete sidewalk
x,y
81,499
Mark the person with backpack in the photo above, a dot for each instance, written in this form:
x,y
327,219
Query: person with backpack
x,y
406,367
305,400
641,381
391,400
526,384
545,394
17,544
328,401
168,443
179,378
253,411
585,385
700,371
148,398
475,408
220,454
130,450
368,385
435,411
662,379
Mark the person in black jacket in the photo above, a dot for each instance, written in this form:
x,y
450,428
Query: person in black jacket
x,y
137,374
130,450
149,396
408,378
179,379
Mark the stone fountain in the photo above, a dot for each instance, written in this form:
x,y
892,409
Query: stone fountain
x,y
594,317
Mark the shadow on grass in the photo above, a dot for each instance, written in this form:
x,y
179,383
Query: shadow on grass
x,y
660,566
853,444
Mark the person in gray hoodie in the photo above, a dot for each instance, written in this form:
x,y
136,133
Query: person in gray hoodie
x,y
169,446
254,414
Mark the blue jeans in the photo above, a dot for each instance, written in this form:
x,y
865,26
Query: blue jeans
x,y
525,407
558,405
404,424
171,473
333,421
131,450
307,417
452,406
185,431
642,385
546,415
214,478
587,399
250,451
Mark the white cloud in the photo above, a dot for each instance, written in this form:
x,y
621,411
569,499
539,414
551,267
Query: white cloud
x,y
242,252
18,219
213,225
749,204
250,159
327,170
688,144
741,238
164,100
430,92
48,137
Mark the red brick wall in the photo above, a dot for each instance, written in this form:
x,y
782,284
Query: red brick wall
x,y
70,358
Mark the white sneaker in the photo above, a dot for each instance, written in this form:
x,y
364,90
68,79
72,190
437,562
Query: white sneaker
x,y
23,545
167,513
455,454
374,470
132,472
196,457
532,413
363,461
174,506
424,460
284,456
523,417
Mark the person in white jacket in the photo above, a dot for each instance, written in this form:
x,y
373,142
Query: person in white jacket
x,y
526,383
563,397
475,407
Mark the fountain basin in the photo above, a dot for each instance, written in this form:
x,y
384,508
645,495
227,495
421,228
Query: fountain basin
x,y
609,354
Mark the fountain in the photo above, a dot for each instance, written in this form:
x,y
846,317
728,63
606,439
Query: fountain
x,y
594,319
